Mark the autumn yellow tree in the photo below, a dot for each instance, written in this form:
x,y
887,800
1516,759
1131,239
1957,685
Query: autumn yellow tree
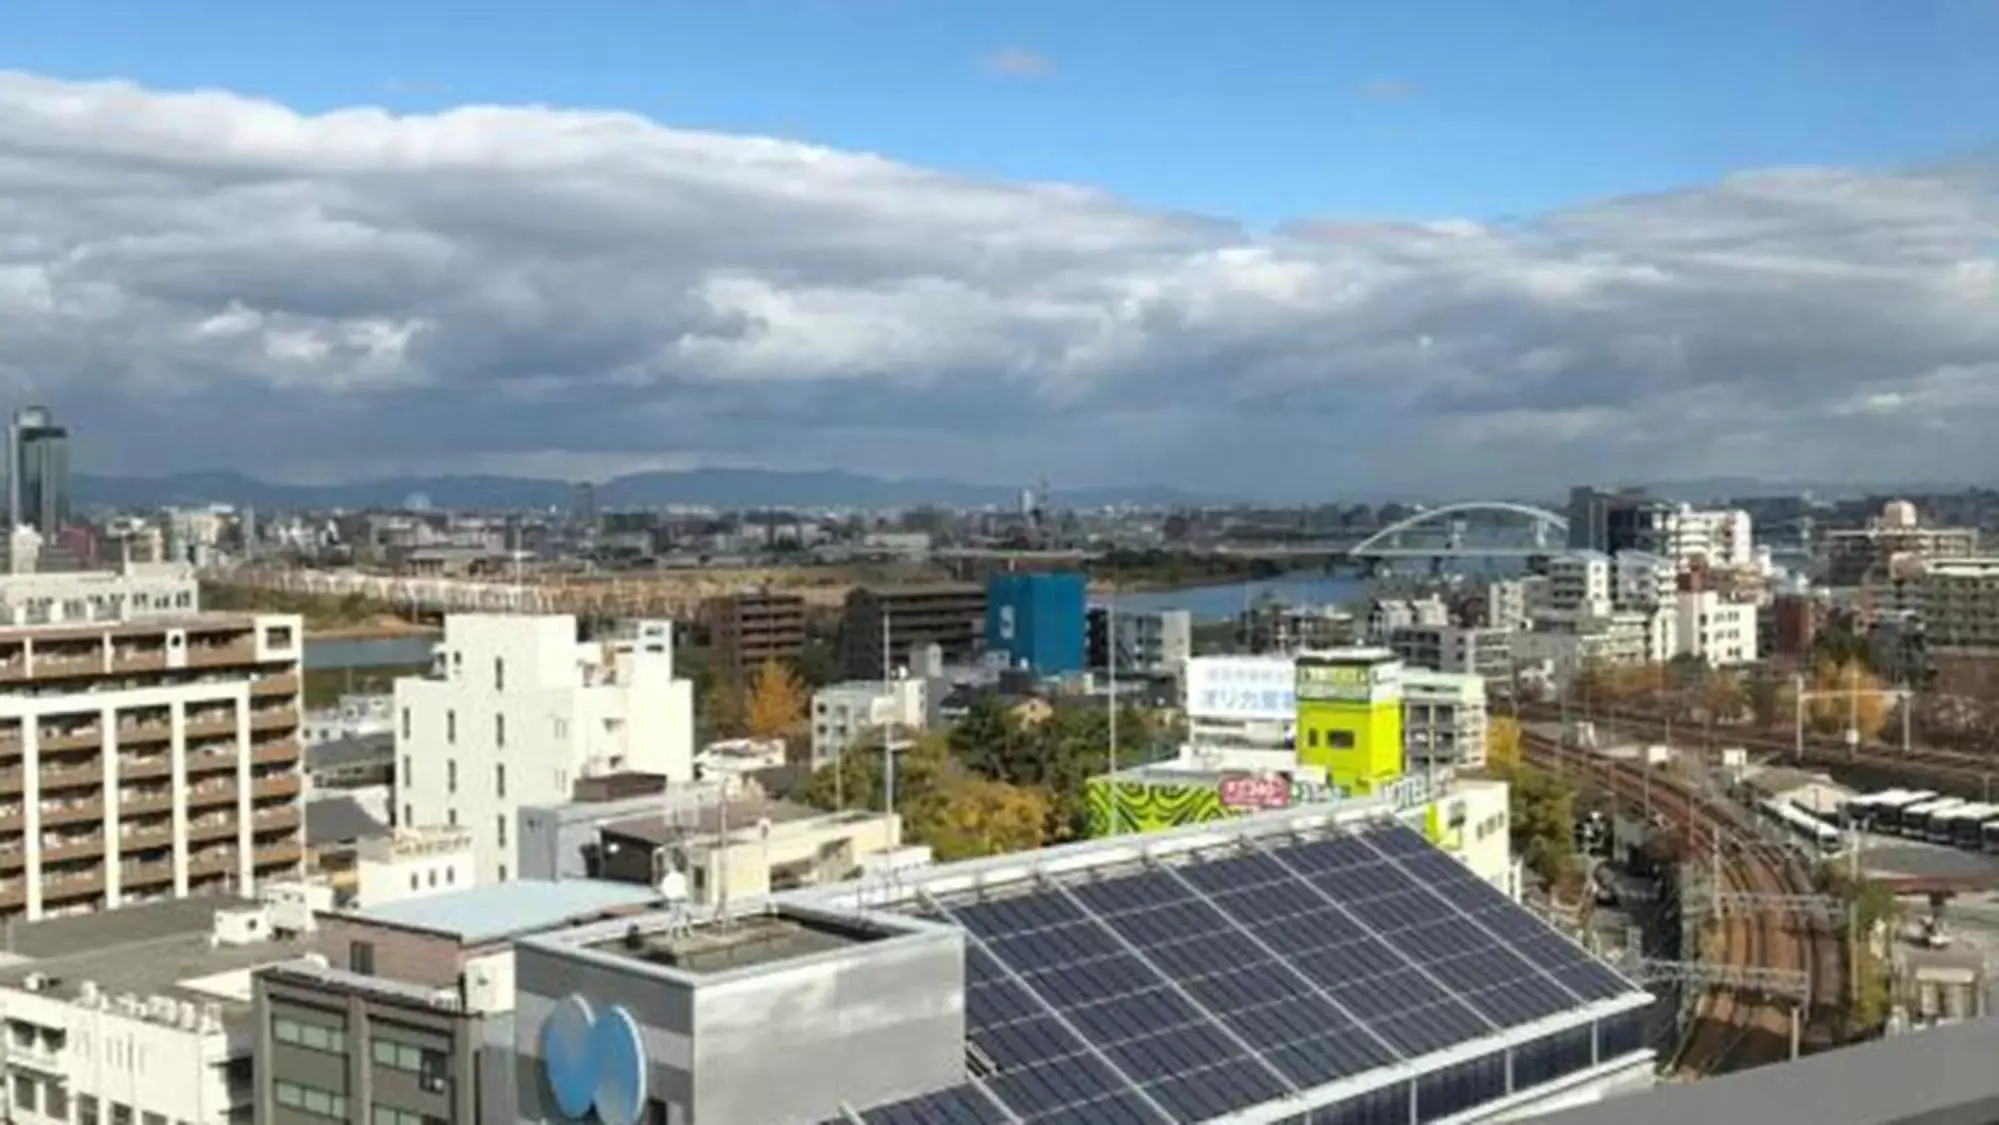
x,y
775,705
1502,743
968,816
1843,693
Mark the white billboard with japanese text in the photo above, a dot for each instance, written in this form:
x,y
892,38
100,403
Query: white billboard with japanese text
x,y
1242,688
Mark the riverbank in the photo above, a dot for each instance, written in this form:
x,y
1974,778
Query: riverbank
x,y
388,629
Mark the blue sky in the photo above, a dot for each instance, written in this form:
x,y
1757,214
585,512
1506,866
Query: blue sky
x,y
1261,110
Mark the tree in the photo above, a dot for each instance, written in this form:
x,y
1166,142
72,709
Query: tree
x,y
1542,812
1502,744
1846,694
776,702
856,780
967,817
987,741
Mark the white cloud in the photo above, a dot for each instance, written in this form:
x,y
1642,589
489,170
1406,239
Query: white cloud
x,y
200,279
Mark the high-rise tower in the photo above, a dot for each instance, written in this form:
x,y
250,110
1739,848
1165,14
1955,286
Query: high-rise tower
x,y
37,471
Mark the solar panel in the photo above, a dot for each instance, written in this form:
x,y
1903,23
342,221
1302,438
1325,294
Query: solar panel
x,y
1189,992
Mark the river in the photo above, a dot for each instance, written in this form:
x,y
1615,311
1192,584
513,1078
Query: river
x,y
369,652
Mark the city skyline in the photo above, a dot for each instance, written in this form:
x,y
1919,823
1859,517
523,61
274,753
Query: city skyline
x,y
456,285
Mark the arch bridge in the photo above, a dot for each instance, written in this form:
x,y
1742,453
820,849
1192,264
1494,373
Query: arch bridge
x,y
1474,529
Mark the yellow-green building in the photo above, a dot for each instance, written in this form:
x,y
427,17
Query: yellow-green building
x,y
1350,717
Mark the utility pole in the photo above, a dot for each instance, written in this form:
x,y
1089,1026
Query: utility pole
x,y
1110,629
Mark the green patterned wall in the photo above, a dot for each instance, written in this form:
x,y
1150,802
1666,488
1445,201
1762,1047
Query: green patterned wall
x,y
1150,808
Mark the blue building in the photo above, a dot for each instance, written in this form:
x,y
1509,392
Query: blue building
x,y
1038,621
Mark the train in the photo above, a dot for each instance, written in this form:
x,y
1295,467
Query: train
x,y
1809,830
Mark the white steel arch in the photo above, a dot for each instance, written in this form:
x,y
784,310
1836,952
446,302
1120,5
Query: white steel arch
x,y
1382,542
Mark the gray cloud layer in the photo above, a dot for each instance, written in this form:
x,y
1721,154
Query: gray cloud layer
x,y
205,280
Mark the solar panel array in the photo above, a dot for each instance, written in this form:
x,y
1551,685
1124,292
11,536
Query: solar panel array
x,y
1180,994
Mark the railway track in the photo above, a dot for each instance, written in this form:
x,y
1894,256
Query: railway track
x,y
1734,1026
1973,774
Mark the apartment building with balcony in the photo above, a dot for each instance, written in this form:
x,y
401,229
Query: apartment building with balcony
x,y
147,759
752,626
142,1016
136,591
882,619
1959,606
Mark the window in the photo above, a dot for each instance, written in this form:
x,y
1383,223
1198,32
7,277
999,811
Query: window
x,y
424,1062
500,780
361,957
500,731
86,1110
1340,739
24,1092
409,767
451,817
499,674
451,776
451,727
153,1119
121,1114
503,873
311,1036
57,1104
409,816
500,823
310,1099
388,1115
406,722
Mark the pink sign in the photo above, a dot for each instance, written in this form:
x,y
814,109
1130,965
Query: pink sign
x,y
1252,791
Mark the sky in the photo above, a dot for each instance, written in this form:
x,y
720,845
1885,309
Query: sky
x,y
1275,248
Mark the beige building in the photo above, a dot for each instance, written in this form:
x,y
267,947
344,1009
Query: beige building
x,y
1443,719
149,759
1868,554
746,848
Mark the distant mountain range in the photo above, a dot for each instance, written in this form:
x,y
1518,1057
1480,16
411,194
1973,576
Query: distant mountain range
x,y
718,488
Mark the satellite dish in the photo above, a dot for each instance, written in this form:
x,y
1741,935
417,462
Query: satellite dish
x,y
673,886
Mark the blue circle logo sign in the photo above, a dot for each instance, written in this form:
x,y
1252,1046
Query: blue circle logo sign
x,y
594,1061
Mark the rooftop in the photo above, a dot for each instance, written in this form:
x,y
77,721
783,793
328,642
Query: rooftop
x,y
1273,964
156,949
337,819
1936,1076
748,941
493,913
708,819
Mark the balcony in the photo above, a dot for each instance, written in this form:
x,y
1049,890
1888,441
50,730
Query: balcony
x,y
13,892
211,761
277,819
139,804
211,723
273,718
10,779
75,847
69,660
208,797
275,785
206,831
72,884
13,857
137,874
13,667
61,775
284,852
136,734
56,739
138,658
80,812
275,753
139,768
146,838
220,861
275,685
221,651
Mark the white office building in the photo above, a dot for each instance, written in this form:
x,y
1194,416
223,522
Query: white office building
x,y
842,713
1715,629
1579,585
515,710
1443,719
1719,539
413,863
1642,582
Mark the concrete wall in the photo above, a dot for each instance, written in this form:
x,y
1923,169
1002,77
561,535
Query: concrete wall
x,y
866,1025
